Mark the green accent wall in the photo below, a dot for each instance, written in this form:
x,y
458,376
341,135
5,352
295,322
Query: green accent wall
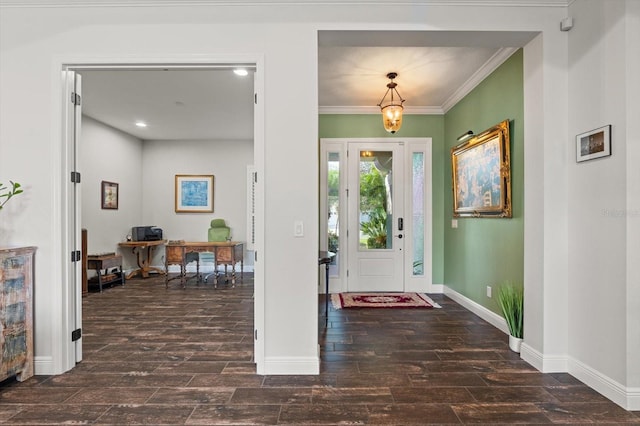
x,y
413,126
487,251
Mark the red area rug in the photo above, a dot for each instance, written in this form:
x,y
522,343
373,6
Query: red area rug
x,y
382,300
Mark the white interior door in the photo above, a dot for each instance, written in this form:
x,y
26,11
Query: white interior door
x,y
376,217
72,244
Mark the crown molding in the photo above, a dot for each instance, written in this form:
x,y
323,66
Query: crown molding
x,y
483,72
177,3
423,110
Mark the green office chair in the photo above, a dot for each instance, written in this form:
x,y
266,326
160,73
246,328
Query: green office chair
x,y
219,231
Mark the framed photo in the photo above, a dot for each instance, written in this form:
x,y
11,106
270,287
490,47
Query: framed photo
x,y
593,144
482,174
109,195
194,193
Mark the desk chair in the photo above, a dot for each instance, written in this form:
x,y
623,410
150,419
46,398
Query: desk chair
x,y
219,231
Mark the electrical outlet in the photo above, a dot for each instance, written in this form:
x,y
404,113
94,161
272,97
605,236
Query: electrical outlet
x,y
454,223
489,291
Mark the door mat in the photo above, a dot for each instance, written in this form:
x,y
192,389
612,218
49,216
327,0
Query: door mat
x,y
382,300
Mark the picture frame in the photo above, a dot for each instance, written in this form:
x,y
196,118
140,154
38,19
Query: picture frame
x,y
109,195
194,194
481,172
593,144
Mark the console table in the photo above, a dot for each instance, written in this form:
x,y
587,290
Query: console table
x,y
100,262
226,253
16,312
325,258
144,264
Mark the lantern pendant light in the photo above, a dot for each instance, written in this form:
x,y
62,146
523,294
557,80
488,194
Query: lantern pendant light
x,y
391,108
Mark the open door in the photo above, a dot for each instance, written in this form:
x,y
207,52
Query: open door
x,y
71,188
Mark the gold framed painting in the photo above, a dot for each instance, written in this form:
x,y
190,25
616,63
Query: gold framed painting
x,y
194,193
481,172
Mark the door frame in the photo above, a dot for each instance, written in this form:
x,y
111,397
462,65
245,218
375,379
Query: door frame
x,y
338,276
63,349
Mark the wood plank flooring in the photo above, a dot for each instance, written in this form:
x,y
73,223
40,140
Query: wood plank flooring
x,y
156,356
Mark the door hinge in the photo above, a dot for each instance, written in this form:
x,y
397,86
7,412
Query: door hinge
x,y
76,99
347,272
255,334
75,177
76,335
255,256
255,98
75,256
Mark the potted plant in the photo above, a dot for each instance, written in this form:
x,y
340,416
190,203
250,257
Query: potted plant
x,y
7,193
511,301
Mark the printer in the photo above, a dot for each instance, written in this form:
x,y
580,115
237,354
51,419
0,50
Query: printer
x,y
146,233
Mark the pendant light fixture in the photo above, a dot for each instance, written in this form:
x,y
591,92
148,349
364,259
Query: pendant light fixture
x,y
391,108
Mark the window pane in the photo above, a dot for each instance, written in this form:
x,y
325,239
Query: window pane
x,y
375,200
418,212
333,203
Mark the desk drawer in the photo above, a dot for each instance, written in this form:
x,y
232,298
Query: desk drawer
x,y
224,254
174,254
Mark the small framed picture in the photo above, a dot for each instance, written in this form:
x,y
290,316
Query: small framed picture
x,y
109,195
194,193
593,144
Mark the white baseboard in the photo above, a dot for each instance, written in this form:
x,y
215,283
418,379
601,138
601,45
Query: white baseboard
x,y
489,316
43,366
292,365
627,398
543,363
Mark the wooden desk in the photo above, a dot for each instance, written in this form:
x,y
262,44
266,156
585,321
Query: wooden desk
x,y
98,263
226,253
144,265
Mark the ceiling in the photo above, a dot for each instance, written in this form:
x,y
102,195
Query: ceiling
x,y
435,69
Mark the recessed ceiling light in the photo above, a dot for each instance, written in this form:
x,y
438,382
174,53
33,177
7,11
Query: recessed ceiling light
x,y
141,124
241,72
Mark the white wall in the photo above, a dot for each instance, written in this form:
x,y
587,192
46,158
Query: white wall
x,y
110,155
227,161
601,348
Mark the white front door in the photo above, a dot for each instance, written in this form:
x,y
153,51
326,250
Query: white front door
x,y
376,217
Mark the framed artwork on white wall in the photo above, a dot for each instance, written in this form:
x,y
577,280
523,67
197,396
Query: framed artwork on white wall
x,y
194,193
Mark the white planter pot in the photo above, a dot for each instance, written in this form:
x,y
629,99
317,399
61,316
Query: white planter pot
x,y
515,343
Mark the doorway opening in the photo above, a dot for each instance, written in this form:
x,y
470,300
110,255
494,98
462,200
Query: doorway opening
x,y
75,161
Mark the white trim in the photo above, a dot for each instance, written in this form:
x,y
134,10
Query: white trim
x,y
60,357
371,110
543,363
483,72
292,365
489,316
43,366
627,398
244,3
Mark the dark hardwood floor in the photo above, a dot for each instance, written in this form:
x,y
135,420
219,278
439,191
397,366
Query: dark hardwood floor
x,y
156,356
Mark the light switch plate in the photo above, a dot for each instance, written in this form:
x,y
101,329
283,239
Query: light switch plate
x,y
298,229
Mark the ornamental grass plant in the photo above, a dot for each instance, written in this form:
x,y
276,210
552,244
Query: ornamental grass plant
x,y
511,301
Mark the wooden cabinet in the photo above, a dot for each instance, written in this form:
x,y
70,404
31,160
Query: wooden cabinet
x,y
16,312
